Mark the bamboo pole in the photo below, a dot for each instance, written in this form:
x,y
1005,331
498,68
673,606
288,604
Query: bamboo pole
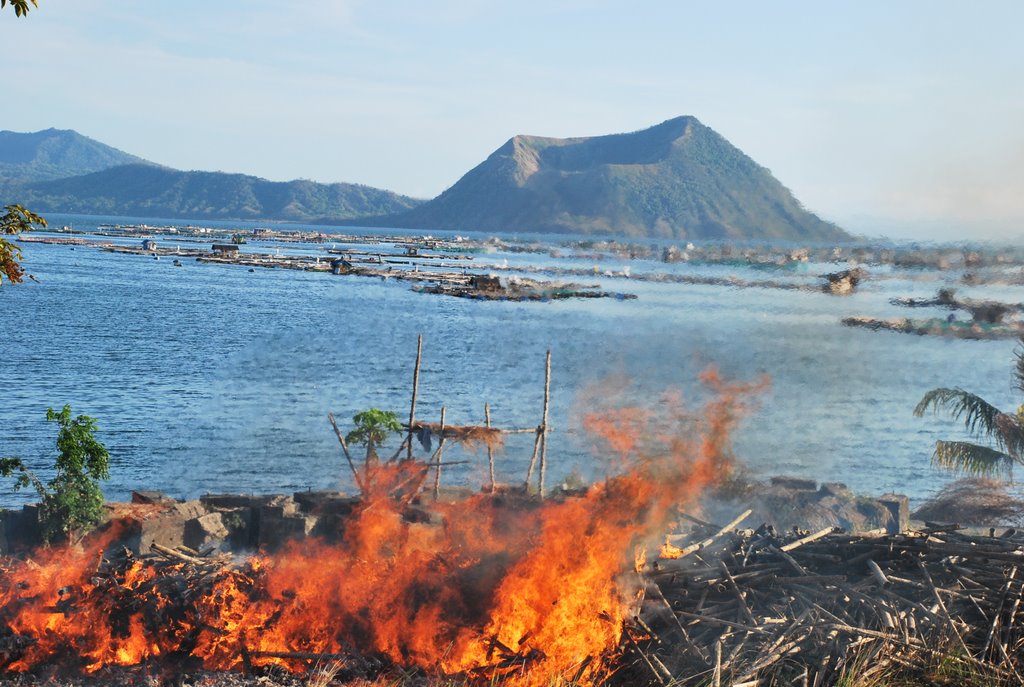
x,y
808,539
716,676
490,451
533,459
344,447
406,440
437,463
415,391
544,424
733,524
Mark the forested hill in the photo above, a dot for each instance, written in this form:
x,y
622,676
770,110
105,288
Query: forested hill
x,y
55,153
143,190
678,179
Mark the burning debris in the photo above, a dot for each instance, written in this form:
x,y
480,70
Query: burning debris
x,y
505,586
519,587
719,606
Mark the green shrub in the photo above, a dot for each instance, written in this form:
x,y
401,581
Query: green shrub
x,y
72,502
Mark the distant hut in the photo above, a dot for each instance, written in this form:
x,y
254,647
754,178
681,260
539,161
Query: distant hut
x,y
149,245
225,248
842,283
485,282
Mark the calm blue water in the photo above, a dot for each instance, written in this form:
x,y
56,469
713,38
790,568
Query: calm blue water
x,y
211,378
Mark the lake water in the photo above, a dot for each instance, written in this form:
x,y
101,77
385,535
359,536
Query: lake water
x,y
208,378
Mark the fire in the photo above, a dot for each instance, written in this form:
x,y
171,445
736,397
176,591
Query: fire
x,y
503,586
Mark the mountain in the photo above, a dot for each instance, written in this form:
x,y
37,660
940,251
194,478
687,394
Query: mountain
x,y
144,190
678,179
55,153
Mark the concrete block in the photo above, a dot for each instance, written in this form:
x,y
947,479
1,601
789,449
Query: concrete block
x,y
166,527
276,531
324,501
206,530
150,497
835,489
898,506
231,501
794,483
186,510
22,527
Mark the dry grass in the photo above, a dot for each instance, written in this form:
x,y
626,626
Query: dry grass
x,y
470,436
974,501
323,674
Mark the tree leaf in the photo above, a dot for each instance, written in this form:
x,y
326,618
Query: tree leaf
x,y
979,415
971,459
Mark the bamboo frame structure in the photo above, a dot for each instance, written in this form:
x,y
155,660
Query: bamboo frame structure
x,y
466,434
415,391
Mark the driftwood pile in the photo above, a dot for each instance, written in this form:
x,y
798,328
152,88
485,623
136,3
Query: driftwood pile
x,y
756,608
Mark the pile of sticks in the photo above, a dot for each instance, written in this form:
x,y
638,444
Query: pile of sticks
x,y
156,588
753,607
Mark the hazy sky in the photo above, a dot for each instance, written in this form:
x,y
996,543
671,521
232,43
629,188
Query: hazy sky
x,y
894,118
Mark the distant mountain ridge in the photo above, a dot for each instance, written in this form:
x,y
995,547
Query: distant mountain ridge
x,y
143,190
56,153
678,179
63,171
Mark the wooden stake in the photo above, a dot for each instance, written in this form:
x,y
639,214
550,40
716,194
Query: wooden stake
x,y
415,391
544,425
344,447
490,451
533,459
406,440
246,656
440,447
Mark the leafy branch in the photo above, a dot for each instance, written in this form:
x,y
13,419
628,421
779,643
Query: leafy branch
x,y
15,220
21,7
72,501
372,428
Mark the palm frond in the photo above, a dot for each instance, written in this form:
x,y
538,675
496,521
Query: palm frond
x,y
979,415
971,459
1009,435
1018,367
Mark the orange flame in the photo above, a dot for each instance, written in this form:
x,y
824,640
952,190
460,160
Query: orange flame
x,y
504,586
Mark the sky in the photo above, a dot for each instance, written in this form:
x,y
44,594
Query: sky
x,y
900,119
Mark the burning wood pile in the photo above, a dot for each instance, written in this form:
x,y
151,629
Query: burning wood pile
x,y
528,588
756,608
725,607
505,586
